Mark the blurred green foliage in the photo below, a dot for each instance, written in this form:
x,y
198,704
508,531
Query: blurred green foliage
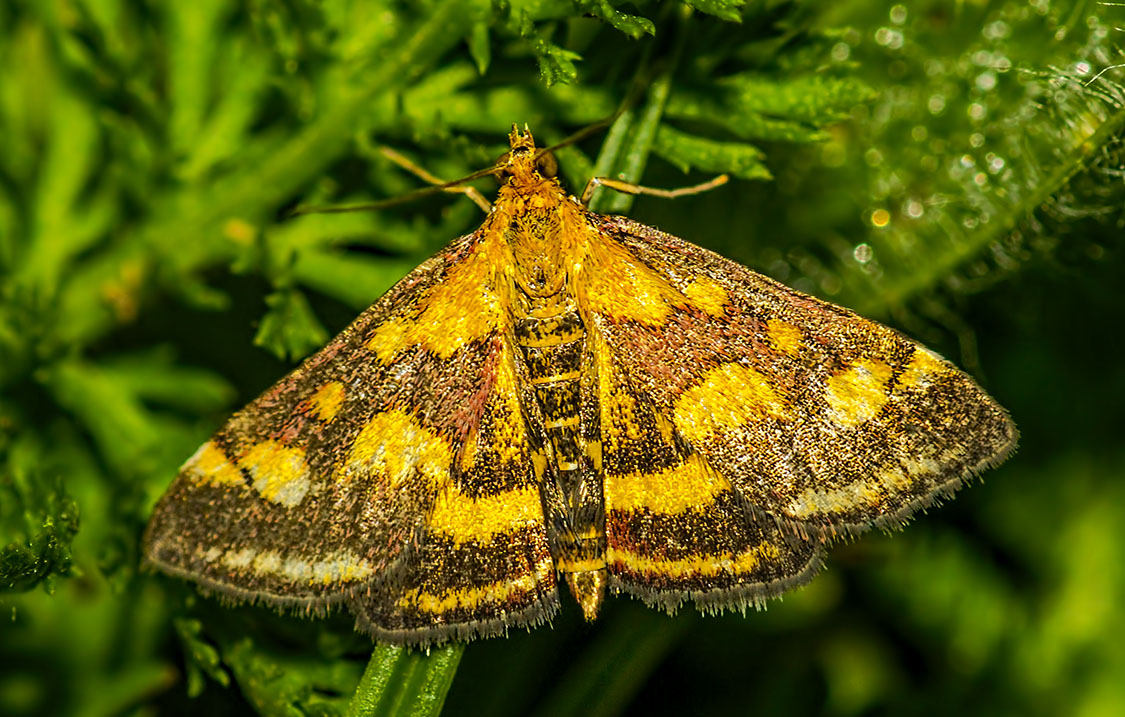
x,y
952,168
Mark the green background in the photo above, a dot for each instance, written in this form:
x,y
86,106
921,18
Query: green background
x,y
954,169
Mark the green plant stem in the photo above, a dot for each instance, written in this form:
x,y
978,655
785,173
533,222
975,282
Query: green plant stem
x,y
401,681
631,139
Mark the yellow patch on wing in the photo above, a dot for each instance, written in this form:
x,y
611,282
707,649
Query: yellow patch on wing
x,y
388,338
509,439
326,402
594,451
619,414
707,294
394,445
469,598
863,495
727,397
210,465
618,407
695,565
463,306
539,465
469,449
621,287
857,393
785,336
672,490
464,519
280,473
341,566
924,367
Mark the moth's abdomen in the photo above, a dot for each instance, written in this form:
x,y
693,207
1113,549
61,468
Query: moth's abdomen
x,y
551,337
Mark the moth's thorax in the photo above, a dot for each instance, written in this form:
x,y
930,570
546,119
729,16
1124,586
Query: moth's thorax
x,y
542,227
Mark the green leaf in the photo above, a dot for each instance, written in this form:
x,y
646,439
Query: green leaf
x,y
747,125
115,416
556,64
480,47
284,685
202,658
729,10
38,518
817,99
27,563
689,152
756,106
154,377
192,49
223,130
290,329
354,280
632,25
66,219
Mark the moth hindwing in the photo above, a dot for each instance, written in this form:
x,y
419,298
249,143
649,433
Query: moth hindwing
x,y
565,394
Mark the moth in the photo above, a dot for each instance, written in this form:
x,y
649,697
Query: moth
x,y
562,396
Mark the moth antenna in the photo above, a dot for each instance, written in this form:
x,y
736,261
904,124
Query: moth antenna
x,y
401,199
494,170
580,134
630,188
420,172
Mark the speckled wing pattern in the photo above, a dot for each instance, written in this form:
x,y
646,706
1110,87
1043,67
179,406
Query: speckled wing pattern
x,y
675,527
764,423
391,473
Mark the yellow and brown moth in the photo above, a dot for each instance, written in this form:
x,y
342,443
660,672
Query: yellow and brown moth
x,y
566,393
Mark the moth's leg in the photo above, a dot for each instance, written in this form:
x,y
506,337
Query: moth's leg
x,y
628,188
425,176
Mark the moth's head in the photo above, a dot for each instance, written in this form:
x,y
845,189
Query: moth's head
x,y
524,164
